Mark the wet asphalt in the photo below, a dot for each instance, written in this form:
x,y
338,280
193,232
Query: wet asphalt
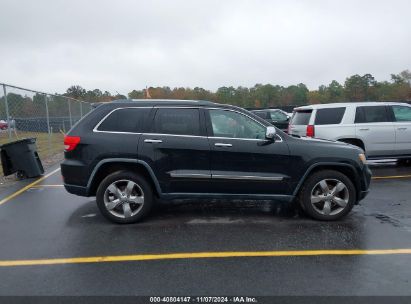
x,y
47,222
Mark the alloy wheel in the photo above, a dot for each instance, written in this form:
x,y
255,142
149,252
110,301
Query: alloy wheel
x,y
124,198
329,197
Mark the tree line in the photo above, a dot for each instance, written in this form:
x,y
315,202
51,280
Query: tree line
x,y
355,88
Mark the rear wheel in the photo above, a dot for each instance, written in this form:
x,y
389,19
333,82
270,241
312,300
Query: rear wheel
x,y
124,197
327,195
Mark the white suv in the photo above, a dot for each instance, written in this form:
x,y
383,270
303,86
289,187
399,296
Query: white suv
x,y
381,129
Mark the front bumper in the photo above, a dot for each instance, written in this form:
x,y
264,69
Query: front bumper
x,y
364,183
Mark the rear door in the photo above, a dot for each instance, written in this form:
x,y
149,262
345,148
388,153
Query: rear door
x,y
177,150
374,126
328,124
402,126
299,122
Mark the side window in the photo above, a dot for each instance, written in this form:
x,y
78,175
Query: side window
x,y
177,121
402,113
235,125
261,114
371,114
329,116
125,120
278,116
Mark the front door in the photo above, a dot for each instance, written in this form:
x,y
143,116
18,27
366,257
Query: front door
x,y
178,150
242,161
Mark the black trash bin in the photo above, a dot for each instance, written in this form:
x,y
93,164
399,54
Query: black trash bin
x,y
21,157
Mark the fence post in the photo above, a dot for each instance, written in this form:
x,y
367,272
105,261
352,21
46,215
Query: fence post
x,y
7,111
69,108
48,124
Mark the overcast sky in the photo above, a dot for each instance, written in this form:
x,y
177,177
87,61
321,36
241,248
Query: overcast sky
x,y
121,45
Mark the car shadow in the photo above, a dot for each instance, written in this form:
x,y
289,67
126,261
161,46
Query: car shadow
x,y
200,211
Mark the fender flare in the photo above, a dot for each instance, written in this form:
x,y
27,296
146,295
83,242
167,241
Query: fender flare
x,y
313,166
123,160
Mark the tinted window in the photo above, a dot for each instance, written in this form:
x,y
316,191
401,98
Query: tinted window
x,y
278,116
235,125
177,121
402,113
329,116
371,114
124,120
301,117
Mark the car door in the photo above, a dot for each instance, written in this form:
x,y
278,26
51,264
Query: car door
x,y
242,160
177,150
402,126
374,126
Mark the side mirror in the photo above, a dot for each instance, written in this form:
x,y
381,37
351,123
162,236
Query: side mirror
x,y
270,133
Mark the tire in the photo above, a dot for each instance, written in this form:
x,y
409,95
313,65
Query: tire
x,y
119,204
331,206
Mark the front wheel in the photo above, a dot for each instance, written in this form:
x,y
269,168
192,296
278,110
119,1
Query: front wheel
x,y
124,197
327,195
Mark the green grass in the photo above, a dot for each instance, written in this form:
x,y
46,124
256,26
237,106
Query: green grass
x,y
47,146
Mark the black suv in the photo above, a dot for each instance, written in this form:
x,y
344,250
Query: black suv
x,y
128,153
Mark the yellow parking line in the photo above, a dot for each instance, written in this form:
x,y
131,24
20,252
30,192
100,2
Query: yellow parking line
x,y
201,255
18,192
47,186
391,177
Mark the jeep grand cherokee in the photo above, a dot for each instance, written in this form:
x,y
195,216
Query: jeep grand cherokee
x,y
129,152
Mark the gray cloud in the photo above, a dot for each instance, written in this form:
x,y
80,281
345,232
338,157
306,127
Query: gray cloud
x,y
123,45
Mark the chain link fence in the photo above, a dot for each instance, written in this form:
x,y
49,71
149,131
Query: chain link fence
x,y
47,117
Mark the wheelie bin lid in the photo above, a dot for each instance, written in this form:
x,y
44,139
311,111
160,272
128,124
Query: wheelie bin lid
x,y
20,141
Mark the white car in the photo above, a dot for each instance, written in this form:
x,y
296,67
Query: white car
x,y
381,129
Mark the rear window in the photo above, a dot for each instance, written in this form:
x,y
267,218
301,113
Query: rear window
x,y
177,121
329,116
124,120
371,114
301,117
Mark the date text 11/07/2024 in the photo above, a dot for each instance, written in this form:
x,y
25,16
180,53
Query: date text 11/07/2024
x,y
203,300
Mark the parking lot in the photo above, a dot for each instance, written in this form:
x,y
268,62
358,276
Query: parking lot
x,y
54,243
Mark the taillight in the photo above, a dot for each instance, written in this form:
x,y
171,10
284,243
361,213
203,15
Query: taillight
x,y
71,142
310,131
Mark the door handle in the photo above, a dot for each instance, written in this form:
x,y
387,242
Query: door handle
x,y
402,129
222,145
153,141
365,129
